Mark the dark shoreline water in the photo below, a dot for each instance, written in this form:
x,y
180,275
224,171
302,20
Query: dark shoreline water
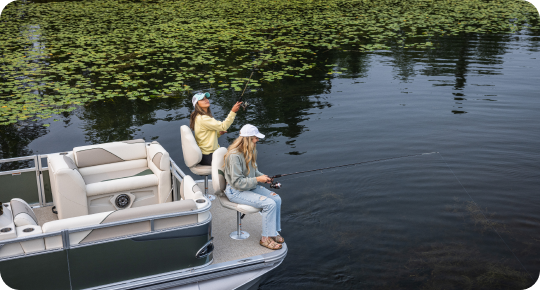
x,y
400,224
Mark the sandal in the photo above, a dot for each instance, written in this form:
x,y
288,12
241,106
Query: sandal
x,y
279,239
270,244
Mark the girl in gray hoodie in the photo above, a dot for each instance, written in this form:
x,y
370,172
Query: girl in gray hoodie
x,y
243,176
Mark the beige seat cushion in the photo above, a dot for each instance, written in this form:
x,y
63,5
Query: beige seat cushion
x,y
107,176
243,208
115,177
122,184
23,215
201,169
107,153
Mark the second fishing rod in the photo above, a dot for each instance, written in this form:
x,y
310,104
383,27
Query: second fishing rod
x,y
277,185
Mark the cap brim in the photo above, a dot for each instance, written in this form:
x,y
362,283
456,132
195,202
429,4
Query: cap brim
x,y
260,136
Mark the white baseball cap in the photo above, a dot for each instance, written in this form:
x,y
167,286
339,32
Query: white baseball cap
x,y
199,96
250,130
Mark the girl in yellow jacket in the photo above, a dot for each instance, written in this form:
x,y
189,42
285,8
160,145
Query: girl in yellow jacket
x,y
207,129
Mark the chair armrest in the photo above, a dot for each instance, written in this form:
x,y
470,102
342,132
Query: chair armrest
x,y
160,164
68,187
158,157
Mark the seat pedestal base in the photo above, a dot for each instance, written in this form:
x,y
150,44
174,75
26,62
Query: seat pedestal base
x,y
209,196
243,235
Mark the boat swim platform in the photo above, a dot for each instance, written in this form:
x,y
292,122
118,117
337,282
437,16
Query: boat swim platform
x,y
223,224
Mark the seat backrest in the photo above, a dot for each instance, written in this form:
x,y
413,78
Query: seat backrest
x,y
218,179
106,153
190,149
23,215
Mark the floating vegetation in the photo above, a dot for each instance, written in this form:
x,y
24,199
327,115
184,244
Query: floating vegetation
x,y
483,220
58,55
454,265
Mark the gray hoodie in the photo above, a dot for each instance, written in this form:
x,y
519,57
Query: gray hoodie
x,y
236,173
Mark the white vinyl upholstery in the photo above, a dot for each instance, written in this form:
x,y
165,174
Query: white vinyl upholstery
x,y
191,190
122,184
68,187
192,153
219,184
139,170
71,223
190,149
160,164
32,245
202,170
23,215
116,216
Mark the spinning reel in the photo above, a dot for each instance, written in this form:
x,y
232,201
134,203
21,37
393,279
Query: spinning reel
x,y
274,184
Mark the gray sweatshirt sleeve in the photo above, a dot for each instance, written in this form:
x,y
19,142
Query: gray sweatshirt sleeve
x,y
238,180
258,173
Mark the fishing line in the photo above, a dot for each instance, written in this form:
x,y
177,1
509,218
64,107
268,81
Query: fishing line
x,y
351,164
277,185
485,216
324,170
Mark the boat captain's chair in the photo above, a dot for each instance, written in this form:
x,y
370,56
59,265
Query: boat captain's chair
x,y
219,183
193,156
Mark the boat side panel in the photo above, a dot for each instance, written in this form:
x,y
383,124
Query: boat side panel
x,y
45,271
128,259
47,186
23,185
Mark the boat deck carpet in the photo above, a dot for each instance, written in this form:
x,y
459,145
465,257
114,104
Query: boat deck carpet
x,y
44,214
224,223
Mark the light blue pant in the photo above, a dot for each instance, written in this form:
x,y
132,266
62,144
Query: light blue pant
x,y
260,197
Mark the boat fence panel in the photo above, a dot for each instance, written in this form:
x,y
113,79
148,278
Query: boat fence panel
x,y
26,178
19,180
43,271
46,191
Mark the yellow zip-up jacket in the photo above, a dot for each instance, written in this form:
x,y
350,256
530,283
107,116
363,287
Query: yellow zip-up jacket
x,y
207,131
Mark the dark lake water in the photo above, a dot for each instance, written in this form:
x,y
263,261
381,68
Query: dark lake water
x,y
464,218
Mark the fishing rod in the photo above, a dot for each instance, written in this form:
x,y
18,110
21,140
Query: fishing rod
x,y
246,104
240,99
277,185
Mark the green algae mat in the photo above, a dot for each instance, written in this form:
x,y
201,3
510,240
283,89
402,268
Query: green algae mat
x,y
56,56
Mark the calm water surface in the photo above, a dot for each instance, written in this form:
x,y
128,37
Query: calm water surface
x,y
464,218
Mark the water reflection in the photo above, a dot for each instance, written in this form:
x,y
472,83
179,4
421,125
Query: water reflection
x,y
404,226
14,141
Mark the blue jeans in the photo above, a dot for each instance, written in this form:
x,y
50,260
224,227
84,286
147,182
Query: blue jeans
x,y
260,197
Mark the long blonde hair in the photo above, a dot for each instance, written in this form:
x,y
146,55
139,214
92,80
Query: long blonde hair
x,y
198,111
246,146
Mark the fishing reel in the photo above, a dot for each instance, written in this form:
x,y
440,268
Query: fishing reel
x,y
245,105
274,184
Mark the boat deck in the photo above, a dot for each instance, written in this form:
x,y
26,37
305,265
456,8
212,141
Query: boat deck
x,y
223,223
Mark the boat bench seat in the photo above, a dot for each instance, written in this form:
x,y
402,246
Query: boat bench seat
x,y
117,216
92,179
19,221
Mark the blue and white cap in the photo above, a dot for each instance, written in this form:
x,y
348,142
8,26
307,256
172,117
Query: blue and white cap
x,y
250,130
198,97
